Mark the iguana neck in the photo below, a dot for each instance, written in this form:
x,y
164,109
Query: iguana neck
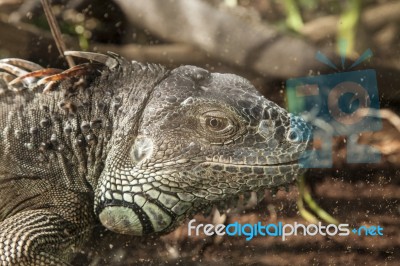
x,y
121,96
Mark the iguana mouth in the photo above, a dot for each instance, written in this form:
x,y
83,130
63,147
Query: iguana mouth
x,y
294,162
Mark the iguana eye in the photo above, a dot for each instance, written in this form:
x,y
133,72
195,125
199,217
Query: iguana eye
x,y
216,123
218,127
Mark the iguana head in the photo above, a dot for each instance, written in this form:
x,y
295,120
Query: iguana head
x,y
203,137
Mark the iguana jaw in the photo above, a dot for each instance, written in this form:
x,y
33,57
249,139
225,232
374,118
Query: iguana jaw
x,y
160,210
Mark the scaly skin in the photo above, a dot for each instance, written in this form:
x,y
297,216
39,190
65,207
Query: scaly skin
x,y
134,146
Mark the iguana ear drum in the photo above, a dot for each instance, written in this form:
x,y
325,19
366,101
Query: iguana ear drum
x,y
142,149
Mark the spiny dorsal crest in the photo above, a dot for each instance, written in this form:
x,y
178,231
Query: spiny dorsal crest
x,y
18,75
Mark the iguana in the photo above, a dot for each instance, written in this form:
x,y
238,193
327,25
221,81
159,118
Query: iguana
x,y
134,146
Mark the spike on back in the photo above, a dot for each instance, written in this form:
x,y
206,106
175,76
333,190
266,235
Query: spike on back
x,y
19,74
109,61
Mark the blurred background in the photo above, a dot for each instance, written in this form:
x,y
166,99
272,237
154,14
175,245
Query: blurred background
x,y
268,42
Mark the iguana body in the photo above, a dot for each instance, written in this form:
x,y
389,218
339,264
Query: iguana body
x,y
138,147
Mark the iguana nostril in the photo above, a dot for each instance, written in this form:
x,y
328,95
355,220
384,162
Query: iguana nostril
x,y
293,135
300,130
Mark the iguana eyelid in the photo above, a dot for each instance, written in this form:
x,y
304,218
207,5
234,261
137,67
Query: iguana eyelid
x,y
223,130
215,113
